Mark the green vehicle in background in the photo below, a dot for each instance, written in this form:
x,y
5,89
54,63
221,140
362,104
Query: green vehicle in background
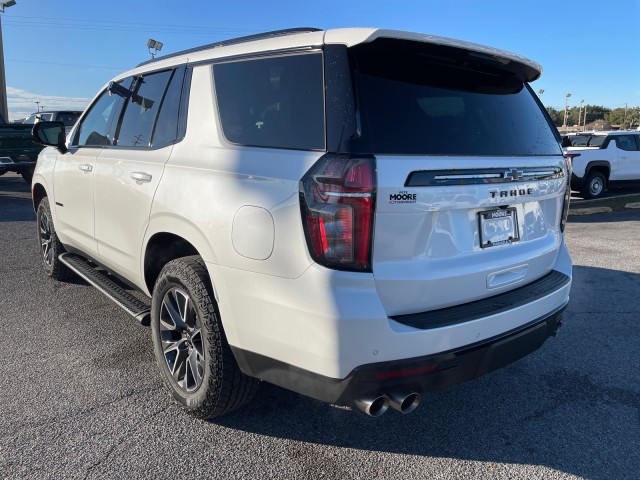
x,y
18,153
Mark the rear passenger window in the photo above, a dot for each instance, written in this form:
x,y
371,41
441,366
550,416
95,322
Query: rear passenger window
x,y
274,102
166,129
141,109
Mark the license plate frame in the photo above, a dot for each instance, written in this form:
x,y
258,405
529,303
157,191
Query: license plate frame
x,y
498,226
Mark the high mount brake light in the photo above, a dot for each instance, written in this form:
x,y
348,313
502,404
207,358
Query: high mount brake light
x,y
337,202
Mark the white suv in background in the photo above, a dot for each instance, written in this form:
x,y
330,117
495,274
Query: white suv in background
x,y
358,215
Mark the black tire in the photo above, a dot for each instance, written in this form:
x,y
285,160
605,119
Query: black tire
x,y
27,174
50,246
206,379
594,186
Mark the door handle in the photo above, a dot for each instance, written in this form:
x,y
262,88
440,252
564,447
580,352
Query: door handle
x,y
85,168
141,177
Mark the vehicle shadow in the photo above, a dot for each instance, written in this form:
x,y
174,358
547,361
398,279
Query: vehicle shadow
x,y
15,199
572,406
620,216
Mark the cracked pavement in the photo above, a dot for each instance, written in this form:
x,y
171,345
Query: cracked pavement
x,y
81,397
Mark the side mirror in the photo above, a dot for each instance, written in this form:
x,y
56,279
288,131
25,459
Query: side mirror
x,y
51,134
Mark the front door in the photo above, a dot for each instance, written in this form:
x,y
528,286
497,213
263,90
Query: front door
x,y
74,173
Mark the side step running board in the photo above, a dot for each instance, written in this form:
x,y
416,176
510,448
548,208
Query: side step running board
x,y
132,305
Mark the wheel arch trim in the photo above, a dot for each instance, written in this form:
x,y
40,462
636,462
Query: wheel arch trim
x,y
596,164
181,229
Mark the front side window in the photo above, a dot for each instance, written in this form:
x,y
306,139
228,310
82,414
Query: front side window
x,y
626,142
94,128
141,109
274,102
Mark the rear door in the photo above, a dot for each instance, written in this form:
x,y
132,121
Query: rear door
x,y
471,177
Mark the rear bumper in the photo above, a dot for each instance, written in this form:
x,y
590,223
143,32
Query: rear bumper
x,y
329,324
418,374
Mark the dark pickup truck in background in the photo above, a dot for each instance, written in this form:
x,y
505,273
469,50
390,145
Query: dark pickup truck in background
x,y
18,153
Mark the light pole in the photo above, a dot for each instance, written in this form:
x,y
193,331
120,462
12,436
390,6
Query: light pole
x,y
4,110
566,110
625,116
154,45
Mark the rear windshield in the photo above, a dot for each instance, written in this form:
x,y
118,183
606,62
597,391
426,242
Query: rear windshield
x,y
587,140
421,99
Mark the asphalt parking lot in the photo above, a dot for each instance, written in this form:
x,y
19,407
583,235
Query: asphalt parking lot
x,y
81,397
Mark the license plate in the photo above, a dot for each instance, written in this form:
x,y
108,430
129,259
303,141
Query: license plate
x,y
498,227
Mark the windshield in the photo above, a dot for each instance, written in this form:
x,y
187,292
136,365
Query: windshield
x,y
420,100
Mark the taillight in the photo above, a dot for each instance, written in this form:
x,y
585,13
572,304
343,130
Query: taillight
x,y
567,194
337,201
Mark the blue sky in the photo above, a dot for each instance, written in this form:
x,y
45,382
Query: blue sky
x,y
62,52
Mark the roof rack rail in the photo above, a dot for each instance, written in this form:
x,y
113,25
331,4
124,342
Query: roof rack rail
x,y
233,41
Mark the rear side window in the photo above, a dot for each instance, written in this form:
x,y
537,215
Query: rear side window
x,y
141,109
274,102
419,99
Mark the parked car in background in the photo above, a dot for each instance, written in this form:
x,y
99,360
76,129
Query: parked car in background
x,y
606,160
351,214
68,117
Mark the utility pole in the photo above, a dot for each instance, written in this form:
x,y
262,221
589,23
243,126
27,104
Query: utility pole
x,y
580,113
625,116
4,110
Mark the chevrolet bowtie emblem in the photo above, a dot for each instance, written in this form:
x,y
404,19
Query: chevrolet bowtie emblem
x,y
514,174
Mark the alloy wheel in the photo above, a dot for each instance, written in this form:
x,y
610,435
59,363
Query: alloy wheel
x,y
181,339
45,240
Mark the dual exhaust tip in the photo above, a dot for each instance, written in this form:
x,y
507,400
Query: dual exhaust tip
x,y
375,406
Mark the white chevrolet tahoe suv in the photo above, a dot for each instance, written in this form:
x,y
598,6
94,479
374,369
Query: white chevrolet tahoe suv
x,y
603,159
358,215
